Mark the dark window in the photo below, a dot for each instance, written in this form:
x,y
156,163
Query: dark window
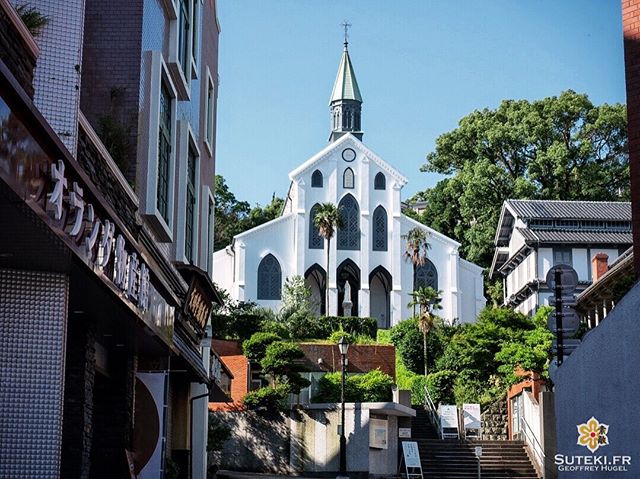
x,y
210,237
316,179
348,180
209,114
190,218
426,275
164,153
380,229
349,234
380,182
183,38
269,278
315,240
562,256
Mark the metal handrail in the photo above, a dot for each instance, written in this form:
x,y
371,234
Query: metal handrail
x,y
430,407
528,434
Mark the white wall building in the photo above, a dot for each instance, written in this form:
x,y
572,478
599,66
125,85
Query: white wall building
x,y
534,235
367,251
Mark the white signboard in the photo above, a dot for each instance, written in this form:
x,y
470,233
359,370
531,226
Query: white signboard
x,y
404,432
471,414
149,411
378,430
448,416
411,454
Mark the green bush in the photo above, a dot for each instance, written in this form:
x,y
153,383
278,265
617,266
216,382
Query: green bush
x,y
268,399
374,386
409,343
255,347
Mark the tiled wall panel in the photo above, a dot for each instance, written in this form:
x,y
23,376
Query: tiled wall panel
x,y
33,312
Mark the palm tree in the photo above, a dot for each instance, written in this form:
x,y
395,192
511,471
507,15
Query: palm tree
x,y
416,250
327,219
429,300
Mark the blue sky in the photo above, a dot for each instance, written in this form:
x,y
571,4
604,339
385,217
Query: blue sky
x,y
421,66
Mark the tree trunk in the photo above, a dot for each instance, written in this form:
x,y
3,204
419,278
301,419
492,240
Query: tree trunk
x,y
326,283
424,340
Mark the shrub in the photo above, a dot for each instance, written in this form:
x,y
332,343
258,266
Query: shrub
x,y
268,399
440,384
255,347
408,339
374,386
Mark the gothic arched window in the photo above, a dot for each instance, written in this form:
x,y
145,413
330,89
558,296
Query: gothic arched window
x,y
348,180
379,229
316,179
426,275
349,234
315,240
269,278
380,182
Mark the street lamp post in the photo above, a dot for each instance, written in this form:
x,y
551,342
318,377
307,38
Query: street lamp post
x,y
343,345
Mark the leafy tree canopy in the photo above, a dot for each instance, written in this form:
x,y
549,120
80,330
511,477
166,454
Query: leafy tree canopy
x,y
233,216
562,148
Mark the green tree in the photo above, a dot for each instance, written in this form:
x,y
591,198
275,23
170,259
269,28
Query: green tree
x,y
282,362
328,219
562,148
428,299
233,216
255,347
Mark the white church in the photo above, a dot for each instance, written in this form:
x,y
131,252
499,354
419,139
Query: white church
x,y
367,252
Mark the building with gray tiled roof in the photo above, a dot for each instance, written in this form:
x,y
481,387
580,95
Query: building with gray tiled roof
x,y
534,235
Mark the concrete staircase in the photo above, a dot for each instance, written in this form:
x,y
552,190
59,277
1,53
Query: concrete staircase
x,y
453,459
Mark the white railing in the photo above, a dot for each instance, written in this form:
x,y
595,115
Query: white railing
x,y
532,441
431,411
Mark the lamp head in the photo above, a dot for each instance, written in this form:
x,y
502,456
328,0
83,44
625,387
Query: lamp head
x,y
343,345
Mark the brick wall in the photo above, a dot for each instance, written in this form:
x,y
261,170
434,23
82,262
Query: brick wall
x,y
14,53
362,358
111,66
631,31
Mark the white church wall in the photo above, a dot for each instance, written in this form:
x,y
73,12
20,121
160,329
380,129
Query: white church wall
x,y
472,300
223,267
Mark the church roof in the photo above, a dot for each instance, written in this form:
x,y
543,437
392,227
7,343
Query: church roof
x,y
346,85
356,143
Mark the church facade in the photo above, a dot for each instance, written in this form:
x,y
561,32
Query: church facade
x,y
367,252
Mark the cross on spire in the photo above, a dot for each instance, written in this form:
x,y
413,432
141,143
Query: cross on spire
x,y
346,26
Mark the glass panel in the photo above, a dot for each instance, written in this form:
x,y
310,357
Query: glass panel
x,y
380,182
164,153
349,234
190,207
380,229
269,278
348,179
183,39
426,275
315,240
316,179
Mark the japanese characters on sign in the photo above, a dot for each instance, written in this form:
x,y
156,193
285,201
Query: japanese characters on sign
x,y
103,246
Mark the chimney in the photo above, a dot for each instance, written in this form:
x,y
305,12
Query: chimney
x,y
599,266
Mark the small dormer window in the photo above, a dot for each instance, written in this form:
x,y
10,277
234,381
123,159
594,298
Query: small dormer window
x,y
316,179
380,182
348,180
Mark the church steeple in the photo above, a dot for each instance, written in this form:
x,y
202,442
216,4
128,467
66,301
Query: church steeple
x,y
346,101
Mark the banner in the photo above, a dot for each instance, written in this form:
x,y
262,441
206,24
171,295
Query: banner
x,y
471,414
149,425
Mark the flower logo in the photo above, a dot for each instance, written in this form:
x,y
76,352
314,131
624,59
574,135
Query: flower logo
x,y
593,434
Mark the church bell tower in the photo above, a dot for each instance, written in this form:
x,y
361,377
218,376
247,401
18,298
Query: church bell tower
x,y
346,102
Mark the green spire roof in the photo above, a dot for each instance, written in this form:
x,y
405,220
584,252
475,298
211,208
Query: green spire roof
x,y
346,85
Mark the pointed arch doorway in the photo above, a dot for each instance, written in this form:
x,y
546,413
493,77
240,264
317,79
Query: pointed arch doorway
x,y
348,271
380,296
316,280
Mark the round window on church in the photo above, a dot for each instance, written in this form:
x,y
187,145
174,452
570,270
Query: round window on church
x,y
348,154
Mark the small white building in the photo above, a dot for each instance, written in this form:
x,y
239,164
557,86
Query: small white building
x,y
367,252
534,235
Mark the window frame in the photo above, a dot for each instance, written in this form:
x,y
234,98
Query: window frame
x,y
341,242
269,294
427,266
207,220
380,186
187,145
314,176
158,75
179,67
209,113
344,179
313,231
375,234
